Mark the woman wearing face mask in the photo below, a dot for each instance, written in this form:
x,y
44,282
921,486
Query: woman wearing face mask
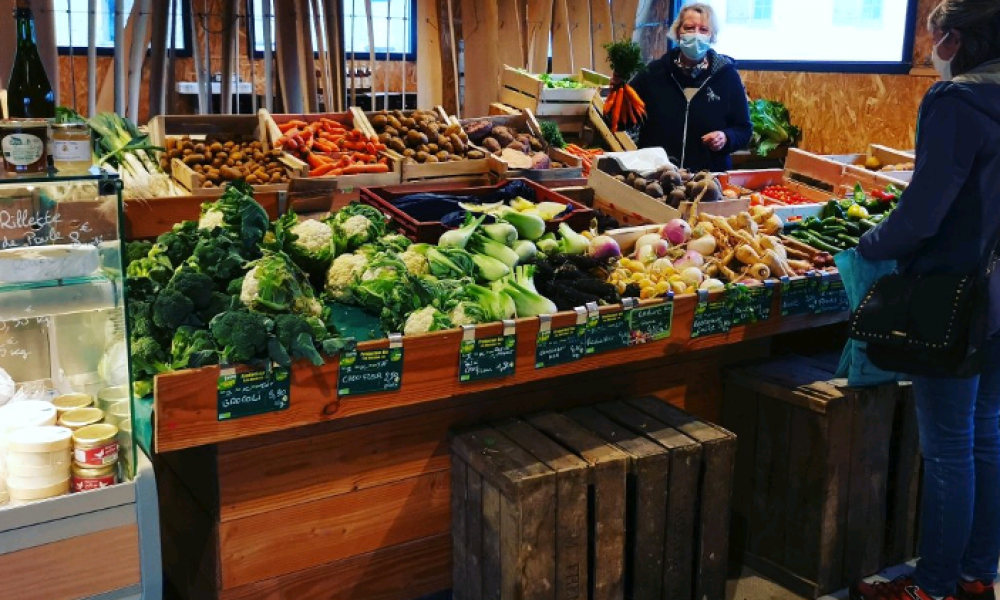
x,y
696,106
946,222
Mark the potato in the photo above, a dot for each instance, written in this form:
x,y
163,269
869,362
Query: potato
x,y
415,138
421,156
433,148
193,159
384,138
397,145
492,145
457,143
409,152
474,155
432,159
394,122
442,156
380,120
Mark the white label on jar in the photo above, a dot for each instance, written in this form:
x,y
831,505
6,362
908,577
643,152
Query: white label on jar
x,y
70,151
22,149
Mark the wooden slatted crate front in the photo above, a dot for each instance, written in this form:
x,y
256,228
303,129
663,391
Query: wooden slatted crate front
x,y
826,477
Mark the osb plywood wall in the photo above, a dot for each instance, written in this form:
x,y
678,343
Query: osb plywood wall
x,y
392,71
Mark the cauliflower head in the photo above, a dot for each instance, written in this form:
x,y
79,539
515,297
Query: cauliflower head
x,y
415,261
211,219
425,320
312,235
342,273
467,313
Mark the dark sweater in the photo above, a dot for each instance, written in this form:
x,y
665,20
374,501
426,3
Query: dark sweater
x,y
719,105
950,212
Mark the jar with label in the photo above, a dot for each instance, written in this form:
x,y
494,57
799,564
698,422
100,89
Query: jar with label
x,y
23,144
95,445
67,402
81,417
93,478
70,147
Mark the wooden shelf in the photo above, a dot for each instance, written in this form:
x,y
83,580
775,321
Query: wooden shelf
x,y
187,410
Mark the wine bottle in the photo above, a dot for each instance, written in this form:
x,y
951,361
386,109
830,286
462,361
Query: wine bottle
x,y
29,93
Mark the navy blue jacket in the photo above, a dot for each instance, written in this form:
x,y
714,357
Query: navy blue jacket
x,y
950,212
720,105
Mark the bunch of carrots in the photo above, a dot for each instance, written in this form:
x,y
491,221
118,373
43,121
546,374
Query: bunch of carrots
x,y
587,156
331,149
624,109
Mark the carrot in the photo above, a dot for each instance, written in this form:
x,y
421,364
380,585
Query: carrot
x,y
322,170
616,115
631,93
297,123
357,169
609,104
316,160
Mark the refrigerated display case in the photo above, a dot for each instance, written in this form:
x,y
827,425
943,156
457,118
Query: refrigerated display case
x,y
78,507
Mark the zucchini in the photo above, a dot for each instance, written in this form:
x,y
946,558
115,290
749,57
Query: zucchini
x,y
853,228
850,241
820,244
867,224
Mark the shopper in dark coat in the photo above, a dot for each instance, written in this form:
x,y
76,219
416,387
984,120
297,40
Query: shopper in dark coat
x,y
945,223
696,106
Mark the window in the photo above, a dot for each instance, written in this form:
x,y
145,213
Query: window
x,y
393,27
72,21
817,35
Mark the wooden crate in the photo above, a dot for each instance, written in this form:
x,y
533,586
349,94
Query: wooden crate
x,y
618,141
245,127
812,502
303,183
526,91
840,172
627,204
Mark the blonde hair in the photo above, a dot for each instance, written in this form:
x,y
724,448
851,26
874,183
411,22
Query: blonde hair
x,y
702,9
979,23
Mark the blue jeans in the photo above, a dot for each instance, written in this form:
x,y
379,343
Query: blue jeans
x,y
959,422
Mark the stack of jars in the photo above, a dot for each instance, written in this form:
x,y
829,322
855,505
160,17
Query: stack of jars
x,y
38,463
15,417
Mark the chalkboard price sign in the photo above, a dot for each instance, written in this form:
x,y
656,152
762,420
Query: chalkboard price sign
x,y
751,304
798,296
609,331
561,345
252,390
370,371
711,317
831,296
651,324
489,357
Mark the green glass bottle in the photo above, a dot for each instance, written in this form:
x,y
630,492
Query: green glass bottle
x,y
29,93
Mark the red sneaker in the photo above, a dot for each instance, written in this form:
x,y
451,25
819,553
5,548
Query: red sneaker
x,y
976,590
900,588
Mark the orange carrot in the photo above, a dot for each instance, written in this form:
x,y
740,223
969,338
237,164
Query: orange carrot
x,y
357,169
616,116
322,170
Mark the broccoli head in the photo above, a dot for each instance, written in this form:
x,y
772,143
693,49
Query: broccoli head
x,y
179,243
241,335
218,256
136,250
192,348
172,309
140,288
219,303
195,285
140,318
158,269
297,336
148,357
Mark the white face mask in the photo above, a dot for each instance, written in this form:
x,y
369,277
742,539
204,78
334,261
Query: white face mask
x,y
942,66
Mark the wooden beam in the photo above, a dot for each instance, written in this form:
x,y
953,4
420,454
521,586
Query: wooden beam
x,y
510,36
578,18
229,32
623,19
480,22
430,91
306,56
539,25
601,33
116,76
333,12
161,19
288,64
562,45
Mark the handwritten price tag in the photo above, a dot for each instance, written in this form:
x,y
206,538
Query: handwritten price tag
x,y
750,304
370,371
242,393
487,358
651,324
608,331
562,345
831,296
711,317
798,296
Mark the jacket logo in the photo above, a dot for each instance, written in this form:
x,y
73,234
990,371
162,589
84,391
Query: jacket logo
x,y
712,96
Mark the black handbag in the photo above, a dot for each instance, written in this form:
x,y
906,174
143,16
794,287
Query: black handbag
x,y
928,325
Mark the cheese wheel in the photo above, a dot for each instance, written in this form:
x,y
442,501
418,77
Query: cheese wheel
x,y
36,440
37,493
44,263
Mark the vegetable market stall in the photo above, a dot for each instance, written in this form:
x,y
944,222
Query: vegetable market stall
x,y
347,496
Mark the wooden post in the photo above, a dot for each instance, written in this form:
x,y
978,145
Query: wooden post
x,y
91,57
306,56
601,33
510,36
268,57
562,45
429,80
580,33
228,56
333,14
480,22
539,25
162,18
288,69
622,22
140,41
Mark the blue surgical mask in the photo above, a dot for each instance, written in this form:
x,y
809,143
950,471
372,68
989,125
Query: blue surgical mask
x,y
695,45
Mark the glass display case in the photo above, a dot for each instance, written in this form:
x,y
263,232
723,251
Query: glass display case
x,y
65,394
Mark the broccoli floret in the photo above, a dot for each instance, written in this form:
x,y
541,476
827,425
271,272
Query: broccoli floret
x,y
142,388
218,256
192,348
148,357
158,269
241,335
193,284
140,288
219,303
173,309
136,250
235,286
296,334
140,318
179,243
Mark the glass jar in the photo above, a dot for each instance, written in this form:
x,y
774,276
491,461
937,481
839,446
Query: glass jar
x,y
81,417
70,147
95,445
93,478
67,402
23,142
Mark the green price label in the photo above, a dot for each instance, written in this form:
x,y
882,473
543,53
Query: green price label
x,y
711,318
750,304
798,297
487,358
609,331
370,371
253,391
651,324
560,346
831,296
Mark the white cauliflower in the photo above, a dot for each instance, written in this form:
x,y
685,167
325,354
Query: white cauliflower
x,y
416,263
425,320
251,287
343,271
211,219
358,225
460,317
313,236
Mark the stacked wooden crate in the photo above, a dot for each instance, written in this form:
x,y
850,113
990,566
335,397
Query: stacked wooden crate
x,y
826,477
620,500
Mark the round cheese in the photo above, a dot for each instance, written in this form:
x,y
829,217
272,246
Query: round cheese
x,y
44,263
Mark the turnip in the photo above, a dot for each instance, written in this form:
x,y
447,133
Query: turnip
x,y
690,259
676,231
